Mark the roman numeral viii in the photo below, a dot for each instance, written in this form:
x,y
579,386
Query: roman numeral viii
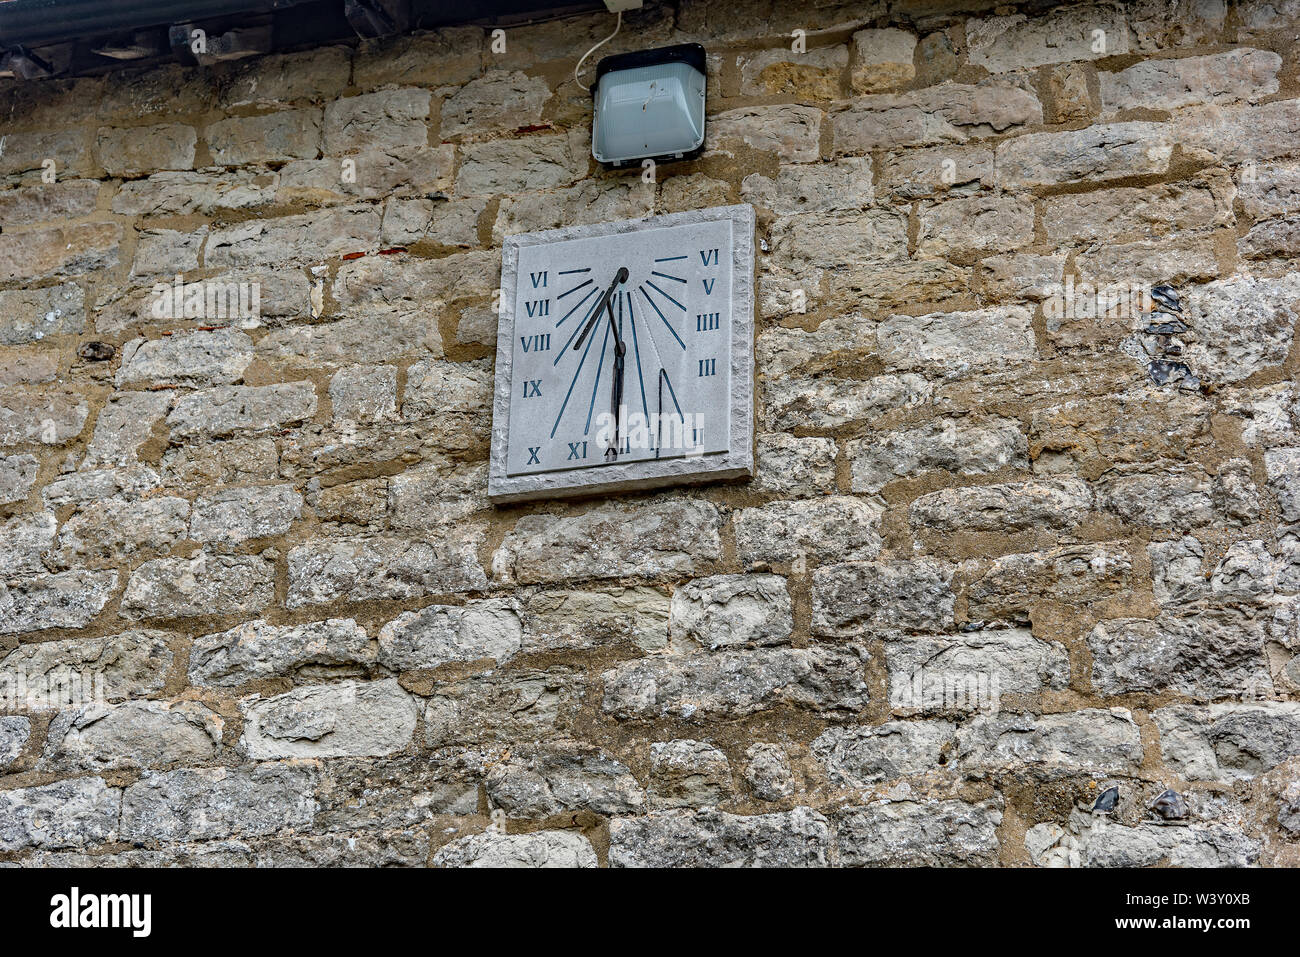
x,y
538,343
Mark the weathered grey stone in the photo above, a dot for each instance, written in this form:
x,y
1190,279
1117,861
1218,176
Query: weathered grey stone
x,y
918,834
791,466
346,718
535,162
268,138
205,584
562,778
440,634
42,202
769,773
132,735
14,734
1283,467
17,476
182,193
218,357
585,203
729,611
970,672
965,447
48,418
567,849
78,488
1069,32
325,235
167,251
610,542
73,813
1175,498
65,600
235,515
258,649
882,59
214,413
945,113
842,185
364,394
124,424
1227,742
144,149
837,528
1244,325
33,315
1076,574
1013,506
962,228
1098,153
114,528
737,683
390,119
198,804
957,340
1101,843
498,100
791,132
797,838
827,403
502,708
686,773
228,462
23,540
406,848
859,757
839,340
369,568
1207,656
1091,739
882,599
810,74
1241,74
569,620
287,77
134,663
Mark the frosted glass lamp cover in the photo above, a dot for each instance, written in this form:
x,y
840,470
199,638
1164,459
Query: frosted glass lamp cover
x,y
649,104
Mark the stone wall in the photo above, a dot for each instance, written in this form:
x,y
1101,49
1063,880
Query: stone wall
x,y
1003,550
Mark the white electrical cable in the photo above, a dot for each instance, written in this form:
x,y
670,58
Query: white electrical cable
x,y
617,26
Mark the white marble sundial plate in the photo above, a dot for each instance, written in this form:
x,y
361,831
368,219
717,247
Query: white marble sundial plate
x,y
564,421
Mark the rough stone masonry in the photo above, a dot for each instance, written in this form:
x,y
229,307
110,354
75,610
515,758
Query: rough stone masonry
x,y
990,567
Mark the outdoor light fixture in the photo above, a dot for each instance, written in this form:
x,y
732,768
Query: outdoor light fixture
x,y
649,104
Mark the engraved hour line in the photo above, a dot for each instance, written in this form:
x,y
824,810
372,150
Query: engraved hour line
x,y
574,289
570,272
589,294
576,372
576,328
665,295
662,316
670,259
664,275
